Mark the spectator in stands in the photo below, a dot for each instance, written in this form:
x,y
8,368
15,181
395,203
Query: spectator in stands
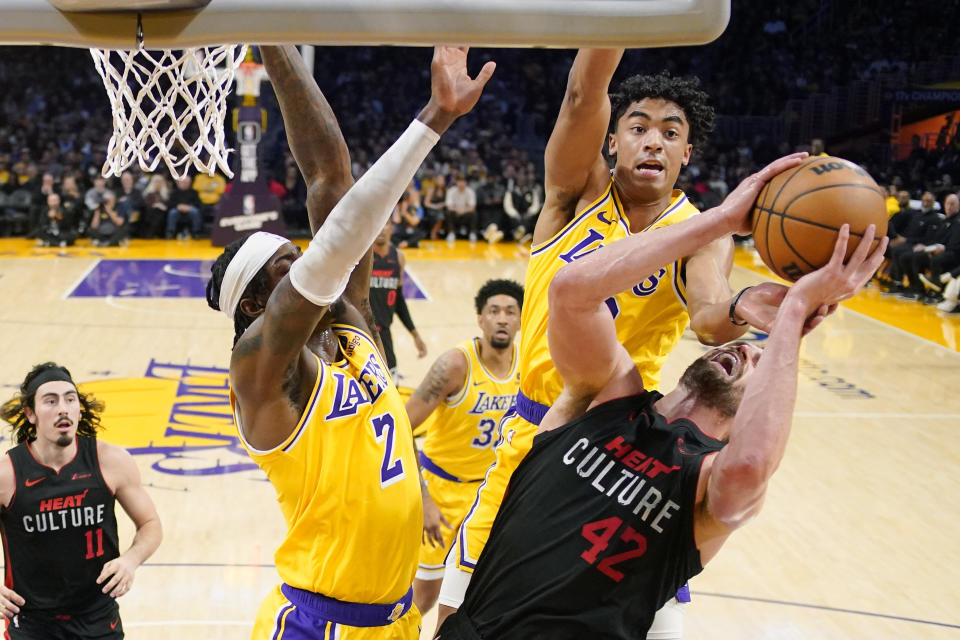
x,y
209,189
184,203
107,226
921,230
435,205
461,204
490,194
95,194
522,203
939,257
293,203
130,204
59,228
156,198
407,231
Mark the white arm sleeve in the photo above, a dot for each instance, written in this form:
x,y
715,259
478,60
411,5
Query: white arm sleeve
x,y
322,272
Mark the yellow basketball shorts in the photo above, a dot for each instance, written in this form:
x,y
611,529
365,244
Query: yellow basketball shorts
x,y
281,619
516,438
454,500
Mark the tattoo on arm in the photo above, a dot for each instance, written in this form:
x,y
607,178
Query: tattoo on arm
x,y
431,390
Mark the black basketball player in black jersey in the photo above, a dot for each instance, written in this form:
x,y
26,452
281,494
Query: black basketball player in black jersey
x,y
386,295
627,493
64,569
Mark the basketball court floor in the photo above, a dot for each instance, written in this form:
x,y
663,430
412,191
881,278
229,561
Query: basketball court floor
x,y
858,537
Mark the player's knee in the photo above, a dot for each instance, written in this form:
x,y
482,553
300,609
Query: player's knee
x,y
425,593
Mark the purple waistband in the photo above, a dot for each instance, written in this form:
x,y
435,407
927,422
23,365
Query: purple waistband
x,y
530,410
352,614
436,469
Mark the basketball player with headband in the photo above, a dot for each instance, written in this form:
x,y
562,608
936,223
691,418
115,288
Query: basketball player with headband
x,y
312,398
58,488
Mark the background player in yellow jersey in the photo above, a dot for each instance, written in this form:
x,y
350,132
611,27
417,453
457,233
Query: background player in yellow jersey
x,y
461,401
650,125
313,403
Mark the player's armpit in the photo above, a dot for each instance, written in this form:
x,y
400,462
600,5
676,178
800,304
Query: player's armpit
x,y
573,157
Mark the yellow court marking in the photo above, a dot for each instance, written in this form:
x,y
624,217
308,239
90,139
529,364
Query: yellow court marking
x,y
921,320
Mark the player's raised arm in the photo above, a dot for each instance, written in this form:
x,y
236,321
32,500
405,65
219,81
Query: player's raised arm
x,y
574,155
732,485
268,353
445,378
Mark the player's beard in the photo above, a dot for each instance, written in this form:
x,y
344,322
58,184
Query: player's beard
x,y
500,344
711,388
64,440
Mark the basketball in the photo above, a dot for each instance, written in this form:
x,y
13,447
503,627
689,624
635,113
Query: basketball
x,y
798,214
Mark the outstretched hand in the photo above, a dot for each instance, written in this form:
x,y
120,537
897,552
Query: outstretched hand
x,y
452,91
737,206
451,87
838,280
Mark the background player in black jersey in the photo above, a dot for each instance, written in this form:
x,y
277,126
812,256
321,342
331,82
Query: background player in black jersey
x,y
57,487
626,493
386,295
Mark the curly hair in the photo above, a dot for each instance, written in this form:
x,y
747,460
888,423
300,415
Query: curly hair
x,y
498,287
684,91
24,431
257,287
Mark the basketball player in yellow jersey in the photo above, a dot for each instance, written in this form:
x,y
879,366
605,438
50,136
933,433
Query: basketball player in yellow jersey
x,y
656,122
461,401
313,402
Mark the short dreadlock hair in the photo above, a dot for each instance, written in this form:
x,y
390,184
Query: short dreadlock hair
x,y
684,91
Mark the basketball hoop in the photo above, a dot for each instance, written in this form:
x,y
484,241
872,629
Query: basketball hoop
x,y
168,105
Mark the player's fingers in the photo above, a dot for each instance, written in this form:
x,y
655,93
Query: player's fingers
x,y
781,164
485,73
445,523
840,248
860,253
112,583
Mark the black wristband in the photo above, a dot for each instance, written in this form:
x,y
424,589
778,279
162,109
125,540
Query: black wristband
x,y
733,308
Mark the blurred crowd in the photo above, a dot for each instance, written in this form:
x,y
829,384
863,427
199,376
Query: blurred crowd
x,y
484,180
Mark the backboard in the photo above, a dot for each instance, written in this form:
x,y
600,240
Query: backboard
x,y
186,23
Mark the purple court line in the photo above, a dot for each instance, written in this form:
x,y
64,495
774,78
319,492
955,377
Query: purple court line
x,y
820,607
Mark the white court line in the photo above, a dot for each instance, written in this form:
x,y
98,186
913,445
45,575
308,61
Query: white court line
x,y
189,623
112,301
76,283
423,289
897,416
169,269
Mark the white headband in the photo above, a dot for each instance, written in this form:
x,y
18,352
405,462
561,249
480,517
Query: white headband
x,y
244,266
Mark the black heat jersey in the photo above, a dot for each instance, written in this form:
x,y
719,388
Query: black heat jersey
x,y
384,285
58,532
595,533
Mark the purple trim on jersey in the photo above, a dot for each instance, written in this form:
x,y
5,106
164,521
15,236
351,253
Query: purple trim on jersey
x,y
436,469
352,614
572,225
332,632
530,410
669,210
676,283
461,535
309,411
683,593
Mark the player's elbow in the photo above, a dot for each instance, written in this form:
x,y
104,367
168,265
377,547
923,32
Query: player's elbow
x,y
568,292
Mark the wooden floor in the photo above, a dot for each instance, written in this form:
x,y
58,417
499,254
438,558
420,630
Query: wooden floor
x,y
858,537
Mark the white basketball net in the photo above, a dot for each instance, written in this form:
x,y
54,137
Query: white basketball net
x,y
168,105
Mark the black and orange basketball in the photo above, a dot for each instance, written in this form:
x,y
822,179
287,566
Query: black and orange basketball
x,y
798,214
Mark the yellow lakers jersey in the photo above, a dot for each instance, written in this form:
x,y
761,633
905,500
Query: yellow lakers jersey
x,y
347,483
461,432
650,317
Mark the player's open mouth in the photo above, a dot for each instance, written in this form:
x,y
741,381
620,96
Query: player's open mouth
x,y
63,424
650,168
728,361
